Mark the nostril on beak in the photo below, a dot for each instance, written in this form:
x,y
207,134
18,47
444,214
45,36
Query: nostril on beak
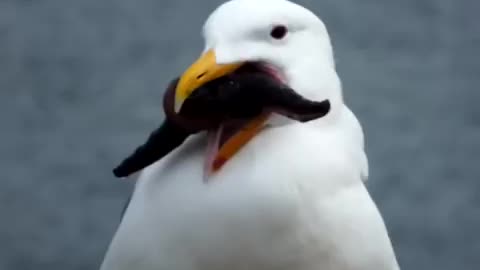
x,y
201,75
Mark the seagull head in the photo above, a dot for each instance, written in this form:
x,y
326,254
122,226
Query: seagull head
x,y
277,37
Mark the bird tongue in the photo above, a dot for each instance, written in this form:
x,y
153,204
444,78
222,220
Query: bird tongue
x,y
214,141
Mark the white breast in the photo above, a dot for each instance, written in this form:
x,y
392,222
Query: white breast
x,y
291,199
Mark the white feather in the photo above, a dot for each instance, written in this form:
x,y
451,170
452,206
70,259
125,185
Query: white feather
x,y
292,198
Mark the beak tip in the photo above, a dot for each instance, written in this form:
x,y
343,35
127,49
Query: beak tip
x,y
177,107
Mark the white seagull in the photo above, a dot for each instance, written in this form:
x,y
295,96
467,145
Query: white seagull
x,y
292,197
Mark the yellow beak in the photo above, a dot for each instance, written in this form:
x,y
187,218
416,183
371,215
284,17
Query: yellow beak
x,y
203,70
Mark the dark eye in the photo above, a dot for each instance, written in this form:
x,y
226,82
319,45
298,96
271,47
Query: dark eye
x,y
279,32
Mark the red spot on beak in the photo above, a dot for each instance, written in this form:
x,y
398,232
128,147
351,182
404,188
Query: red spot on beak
x,y
218,163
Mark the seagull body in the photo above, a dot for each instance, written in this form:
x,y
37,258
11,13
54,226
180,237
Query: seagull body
x,y
293,197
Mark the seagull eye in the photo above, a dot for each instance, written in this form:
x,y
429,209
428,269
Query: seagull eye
x,y
279,32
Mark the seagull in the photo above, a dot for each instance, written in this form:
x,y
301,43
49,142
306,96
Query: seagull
x,y
275,193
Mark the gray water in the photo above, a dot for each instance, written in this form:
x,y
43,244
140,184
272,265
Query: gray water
x,y
81,85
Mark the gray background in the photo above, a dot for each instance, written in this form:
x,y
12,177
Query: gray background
x,y
81,85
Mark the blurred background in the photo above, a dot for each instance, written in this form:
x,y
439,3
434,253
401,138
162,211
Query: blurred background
x,y
81,85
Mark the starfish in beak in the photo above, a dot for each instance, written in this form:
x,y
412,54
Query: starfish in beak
x,y
232,104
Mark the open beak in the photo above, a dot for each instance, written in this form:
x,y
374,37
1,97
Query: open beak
x,y
202,71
